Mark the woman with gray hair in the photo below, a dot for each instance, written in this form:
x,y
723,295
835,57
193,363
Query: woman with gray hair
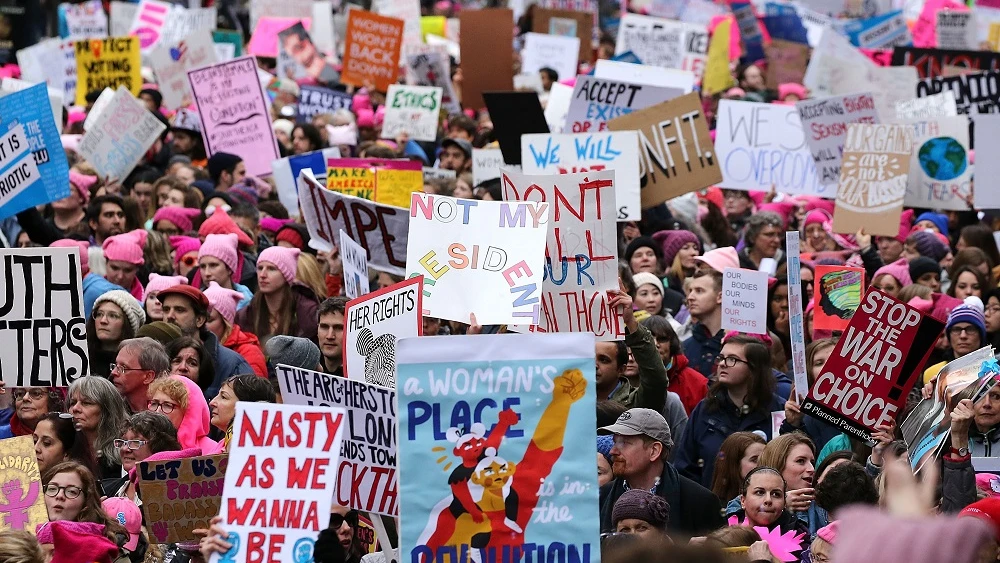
x,y
762,238
98,413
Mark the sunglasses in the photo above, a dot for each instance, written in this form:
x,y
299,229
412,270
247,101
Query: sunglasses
x,y
337,520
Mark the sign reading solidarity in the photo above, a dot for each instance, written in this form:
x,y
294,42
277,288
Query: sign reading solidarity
x,y
374,323
21,484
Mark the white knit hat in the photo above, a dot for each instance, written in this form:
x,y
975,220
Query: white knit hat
x,y
128,304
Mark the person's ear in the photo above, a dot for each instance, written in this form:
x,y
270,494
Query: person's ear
x,y
150,376
200,320
655,450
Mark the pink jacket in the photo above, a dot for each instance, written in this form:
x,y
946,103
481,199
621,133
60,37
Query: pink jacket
x,y
193,432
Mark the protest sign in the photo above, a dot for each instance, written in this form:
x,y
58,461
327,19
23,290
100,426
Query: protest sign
x,y
744,301
438,174
796,321
927,107
526,391
150,19
278,8
487,53
645,74
371,51
486,164
171,62
834,61
316,100
22,486
120,136
980,90
280,481
718,77
514,114
656,41
181,495
567,23
107,63
479,257
676,155
940,175
873,366
406,10
120,16
366,476
383,180
264,41
373,324
380,229
590,152
43,325
355,260
891,85
581,252
763,145
559,53
86,20
930,62
836,295
595,101
557,107
234,113
286,172
298,51
988,167
879,32
873,179
955,30
10,85
786,62
433,69
52,61
825,122
185,21
413,110
750,32
228,37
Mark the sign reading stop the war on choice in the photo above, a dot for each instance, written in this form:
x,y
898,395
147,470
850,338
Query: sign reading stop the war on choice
x,y
877,360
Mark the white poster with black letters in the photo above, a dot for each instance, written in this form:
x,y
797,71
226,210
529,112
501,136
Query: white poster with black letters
x,y
374,323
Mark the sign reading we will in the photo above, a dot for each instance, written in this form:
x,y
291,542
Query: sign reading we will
x,y
825,121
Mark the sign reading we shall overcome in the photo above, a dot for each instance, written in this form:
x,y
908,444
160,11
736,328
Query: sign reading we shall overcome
x,y
372,325
181,495
366,474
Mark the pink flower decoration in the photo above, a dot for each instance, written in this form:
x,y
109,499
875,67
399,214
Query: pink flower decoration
x,y
780,544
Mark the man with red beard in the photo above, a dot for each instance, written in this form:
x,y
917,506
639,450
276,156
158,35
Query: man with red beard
x,y
642,444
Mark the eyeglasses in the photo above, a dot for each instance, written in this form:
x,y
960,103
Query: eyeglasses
x,y
110,315
956,330
730,361
133,445
71,492
337,520
211,209
33,393
992,310
118,368
162,406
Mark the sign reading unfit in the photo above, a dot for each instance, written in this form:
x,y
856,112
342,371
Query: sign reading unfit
x,y
181,495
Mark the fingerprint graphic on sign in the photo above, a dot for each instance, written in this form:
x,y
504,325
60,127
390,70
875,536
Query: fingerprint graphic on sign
x,y
380,357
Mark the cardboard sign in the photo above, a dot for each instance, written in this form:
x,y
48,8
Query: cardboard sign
x,y
581,252
873,179
171,63
927,107
487,54
371,52
150,19
873,366
45,322
234,113
373,323
718,77
825,121
481,257
317,100
82,21
559,53
930,62
526,392
486,164
981,90
796,321
414,110
286,172
107,63
281,479
879,32
837,292
380,229
956,30
744,301
366,476
514,114
389,182
940,175
567,23
763,145
22,485
987,143
181,495
676,155
120,136
590,152
596,101
786,62
355,261
433,69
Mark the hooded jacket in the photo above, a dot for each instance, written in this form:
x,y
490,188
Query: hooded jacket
x,y
194,428
690,385
247,344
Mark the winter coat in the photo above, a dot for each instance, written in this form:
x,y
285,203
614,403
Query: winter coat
x,y
702,349
247,345
690,385
304,325
652,390
227,363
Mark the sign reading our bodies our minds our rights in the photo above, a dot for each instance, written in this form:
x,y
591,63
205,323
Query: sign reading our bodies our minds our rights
x,y
487,471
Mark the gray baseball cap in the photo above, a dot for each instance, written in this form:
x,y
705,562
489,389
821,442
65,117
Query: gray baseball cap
x,y
638,422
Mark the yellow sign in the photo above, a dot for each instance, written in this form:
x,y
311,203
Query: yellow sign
x,y
357,182
994,37
395,186
432,25
21,486
107,63
717,74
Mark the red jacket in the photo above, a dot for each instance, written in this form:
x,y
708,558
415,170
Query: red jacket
x,y
687,382
247,345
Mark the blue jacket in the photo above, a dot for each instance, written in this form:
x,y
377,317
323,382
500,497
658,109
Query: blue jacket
x,y
707,429
227,363
95,286
702,349
815,517
784,384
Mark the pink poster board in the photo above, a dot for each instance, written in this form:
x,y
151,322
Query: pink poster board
x,y
264,41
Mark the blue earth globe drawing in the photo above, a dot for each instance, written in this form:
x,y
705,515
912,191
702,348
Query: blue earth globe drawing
x,y
943,158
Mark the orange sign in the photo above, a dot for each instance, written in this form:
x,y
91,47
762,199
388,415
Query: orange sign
x,y
371,53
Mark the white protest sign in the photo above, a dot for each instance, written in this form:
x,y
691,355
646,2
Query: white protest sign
x,y
825,121
557,52
414,110
796,322
557,106
121,136
283,470
956,30
935,105
834,61
940,174
44,325
433,69
532,81
664,43
172,61
121,15
988,167
224,52
373,324
298,9
18,170
543,153
100,104
322,32
486,165
355,261
406,10
596,101
763,145
891,84
581,250
86,20
185,21
450,46
285,172
744,301
52,61
645,74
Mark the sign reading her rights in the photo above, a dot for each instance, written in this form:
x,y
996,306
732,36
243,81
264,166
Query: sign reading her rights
x,y
940,176
413,110
486,466
596,101
581,252
120,136
181,495
837,292
825,121
280,480
589,152
386,181
43,326
676,155
478,257
875,363
107,63
21,485
374,323
873,179
371,51
366,474
744,301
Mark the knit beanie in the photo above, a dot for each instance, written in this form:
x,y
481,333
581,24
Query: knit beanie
x,y
646,278
285,259
293,235
180,216
816,216
126,247
292,351
641,242
828,533
273,224
672,241
987,510
970,311
929,245
158,283
284,126
224,301
77,541
128,304
160,331
220,223
899,269
789,88
720,258
923,265
864,531
641,505
220,162
939,219
183,245
604,445
82,246
244,195
82,183
224,248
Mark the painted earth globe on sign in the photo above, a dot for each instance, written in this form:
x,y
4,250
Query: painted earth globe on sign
x,y
943,158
